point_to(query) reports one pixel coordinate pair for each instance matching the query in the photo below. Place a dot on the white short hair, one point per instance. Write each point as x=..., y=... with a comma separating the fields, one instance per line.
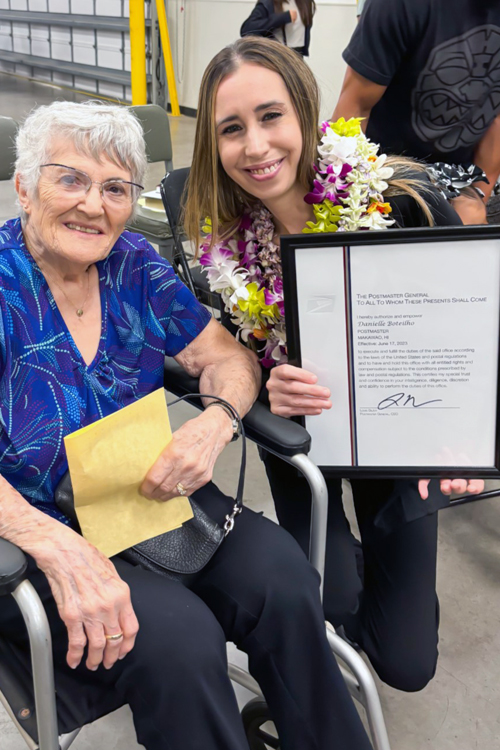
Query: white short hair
x=93, y=127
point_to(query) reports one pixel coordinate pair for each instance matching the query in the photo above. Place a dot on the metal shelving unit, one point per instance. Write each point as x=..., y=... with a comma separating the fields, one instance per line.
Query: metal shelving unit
x=85, y=51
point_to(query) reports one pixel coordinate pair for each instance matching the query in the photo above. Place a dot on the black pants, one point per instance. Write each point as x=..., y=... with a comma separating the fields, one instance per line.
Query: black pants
x=260, y=592
x=386, y=600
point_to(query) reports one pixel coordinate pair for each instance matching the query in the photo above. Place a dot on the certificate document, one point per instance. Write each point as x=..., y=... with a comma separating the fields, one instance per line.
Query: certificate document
x=403, y=327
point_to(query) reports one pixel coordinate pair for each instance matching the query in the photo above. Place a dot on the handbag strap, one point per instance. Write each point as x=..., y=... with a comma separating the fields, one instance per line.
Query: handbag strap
x=238, y=503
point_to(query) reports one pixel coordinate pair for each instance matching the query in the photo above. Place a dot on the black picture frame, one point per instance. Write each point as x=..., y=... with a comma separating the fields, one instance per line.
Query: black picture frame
x=291, y=243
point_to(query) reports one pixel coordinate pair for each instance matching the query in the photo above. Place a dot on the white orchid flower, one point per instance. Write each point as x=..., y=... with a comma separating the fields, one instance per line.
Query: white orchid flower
x=337, y=150
x=375, y=220
x=379, y=174
x=245, y=329
x=230, y=275
x=240, y=292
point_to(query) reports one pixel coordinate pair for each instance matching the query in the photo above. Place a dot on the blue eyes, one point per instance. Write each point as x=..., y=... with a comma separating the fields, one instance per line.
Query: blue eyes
x=70, y=180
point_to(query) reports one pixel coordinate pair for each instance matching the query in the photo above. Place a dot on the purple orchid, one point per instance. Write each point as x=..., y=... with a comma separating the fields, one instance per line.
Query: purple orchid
x=208, y=256
x=252, y=257
x=331, y=184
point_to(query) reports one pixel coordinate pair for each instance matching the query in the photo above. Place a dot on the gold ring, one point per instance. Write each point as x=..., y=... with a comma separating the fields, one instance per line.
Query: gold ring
x=180, y=489
x=115, y=637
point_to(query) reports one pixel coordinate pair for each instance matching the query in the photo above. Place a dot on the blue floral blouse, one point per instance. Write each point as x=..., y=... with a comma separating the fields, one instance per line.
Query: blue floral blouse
x=46, y=388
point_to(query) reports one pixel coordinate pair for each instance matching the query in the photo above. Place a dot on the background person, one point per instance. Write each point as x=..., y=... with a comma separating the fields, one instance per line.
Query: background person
x=256, y=143
x=290, y=25
x=88, y=312
x=426, y=76
x=458, y=186
x=469, y=205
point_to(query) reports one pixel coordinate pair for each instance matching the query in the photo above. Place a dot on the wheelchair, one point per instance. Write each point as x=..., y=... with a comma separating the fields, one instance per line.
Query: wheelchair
x=32, y=704
x=46, y=721
x=30, y=699
x=29, y=695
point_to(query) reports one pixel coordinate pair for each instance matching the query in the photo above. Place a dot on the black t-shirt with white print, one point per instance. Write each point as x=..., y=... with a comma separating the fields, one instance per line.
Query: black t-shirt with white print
x=440, y=60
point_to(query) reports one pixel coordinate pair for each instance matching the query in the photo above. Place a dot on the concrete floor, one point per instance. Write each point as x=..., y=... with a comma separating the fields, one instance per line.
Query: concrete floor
x=460, y=709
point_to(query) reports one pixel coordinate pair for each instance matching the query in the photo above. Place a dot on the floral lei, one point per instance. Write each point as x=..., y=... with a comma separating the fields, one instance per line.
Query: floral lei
x=246, y=271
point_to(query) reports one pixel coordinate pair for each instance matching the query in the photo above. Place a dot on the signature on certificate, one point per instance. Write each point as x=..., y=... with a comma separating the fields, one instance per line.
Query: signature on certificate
x=403, y=399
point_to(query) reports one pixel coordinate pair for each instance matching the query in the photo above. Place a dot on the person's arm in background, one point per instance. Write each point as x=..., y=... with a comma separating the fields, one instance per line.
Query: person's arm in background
x=358, y=97
x=487, y=156
x=261, y=21
x=387, y=31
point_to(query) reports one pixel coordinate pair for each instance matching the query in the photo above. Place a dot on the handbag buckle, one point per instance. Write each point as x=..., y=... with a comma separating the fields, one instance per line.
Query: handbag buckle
x=229, y=524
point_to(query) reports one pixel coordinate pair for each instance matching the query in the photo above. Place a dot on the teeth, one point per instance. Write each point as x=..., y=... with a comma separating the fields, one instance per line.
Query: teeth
x=83, y=229
x=266, y=170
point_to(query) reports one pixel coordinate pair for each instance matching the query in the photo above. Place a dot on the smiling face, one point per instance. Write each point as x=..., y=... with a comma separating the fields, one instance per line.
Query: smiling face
x=79, y=229
x=258, y=133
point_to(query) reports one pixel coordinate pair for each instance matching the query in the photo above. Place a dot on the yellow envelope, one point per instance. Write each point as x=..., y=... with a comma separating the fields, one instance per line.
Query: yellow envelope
x=108, y=461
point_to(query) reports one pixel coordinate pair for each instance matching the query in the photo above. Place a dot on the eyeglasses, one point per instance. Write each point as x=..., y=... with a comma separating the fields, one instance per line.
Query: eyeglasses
x=70, y=181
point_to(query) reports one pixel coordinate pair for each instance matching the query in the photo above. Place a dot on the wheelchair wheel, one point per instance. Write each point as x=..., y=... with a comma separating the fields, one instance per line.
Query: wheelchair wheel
x=258, y=725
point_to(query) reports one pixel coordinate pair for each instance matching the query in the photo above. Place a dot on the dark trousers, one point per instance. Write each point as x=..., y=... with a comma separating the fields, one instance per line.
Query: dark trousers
x=260, y=592
x=383, y=591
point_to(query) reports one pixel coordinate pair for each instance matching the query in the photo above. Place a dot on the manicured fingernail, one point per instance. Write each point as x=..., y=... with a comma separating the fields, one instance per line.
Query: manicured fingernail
x=93, y=669
x=122, y=657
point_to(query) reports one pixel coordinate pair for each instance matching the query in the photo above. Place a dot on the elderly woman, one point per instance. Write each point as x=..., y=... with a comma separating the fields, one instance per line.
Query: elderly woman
x=87, y=314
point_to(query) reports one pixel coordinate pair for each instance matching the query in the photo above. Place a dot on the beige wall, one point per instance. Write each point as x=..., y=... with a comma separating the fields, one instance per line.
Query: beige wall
x=211, y=24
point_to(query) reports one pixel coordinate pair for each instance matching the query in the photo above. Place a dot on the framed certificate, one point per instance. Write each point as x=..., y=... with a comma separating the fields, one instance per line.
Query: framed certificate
x=403, y=327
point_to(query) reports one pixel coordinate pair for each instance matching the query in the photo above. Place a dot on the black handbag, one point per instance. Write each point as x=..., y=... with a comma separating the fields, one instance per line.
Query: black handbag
x=182, y=553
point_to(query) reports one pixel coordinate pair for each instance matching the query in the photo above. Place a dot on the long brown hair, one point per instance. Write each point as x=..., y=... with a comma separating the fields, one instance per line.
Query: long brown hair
x=306, y=8
x=211, y=192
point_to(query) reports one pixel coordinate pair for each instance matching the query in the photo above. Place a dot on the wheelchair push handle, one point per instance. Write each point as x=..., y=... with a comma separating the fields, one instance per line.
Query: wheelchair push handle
x=13, y=566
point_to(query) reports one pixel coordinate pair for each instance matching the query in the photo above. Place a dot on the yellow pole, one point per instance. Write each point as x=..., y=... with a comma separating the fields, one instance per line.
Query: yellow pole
x=167, y=56
x=138, y=52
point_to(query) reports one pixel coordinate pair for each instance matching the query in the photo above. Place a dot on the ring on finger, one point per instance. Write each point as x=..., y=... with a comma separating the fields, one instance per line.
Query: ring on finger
x=181, y=489
x=114, y=637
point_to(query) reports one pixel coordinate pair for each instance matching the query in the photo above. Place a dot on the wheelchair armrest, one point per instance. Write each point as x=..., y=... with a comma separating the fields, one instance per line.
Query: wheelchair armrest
x=13, y=566
x=277, y=434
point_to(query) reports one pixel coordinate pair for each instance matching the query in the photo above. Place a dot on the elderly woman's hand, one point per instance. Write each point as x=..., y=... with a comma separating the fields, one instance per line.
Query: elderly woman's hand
x=92, y=600
x=293, y=391
x=190, y=457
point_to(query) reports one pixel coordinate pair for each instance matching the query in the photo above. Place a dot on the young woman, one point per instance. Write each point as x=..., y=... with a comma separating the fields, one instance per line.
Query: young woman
x=256, y=143
x=287, y=21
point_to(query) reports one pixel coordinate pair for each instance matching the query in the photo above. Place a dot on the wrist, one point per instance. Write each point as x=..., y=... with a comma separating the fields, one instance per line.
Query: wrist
x=37, y=534
x=45, y=539
x=48, y=542
x=221, y=421
x=231, y=416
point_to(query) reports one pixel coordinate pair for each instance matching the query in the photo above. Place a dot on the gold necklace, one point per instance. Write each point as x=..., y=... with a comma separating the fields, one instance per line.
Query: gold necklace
x=79, y=310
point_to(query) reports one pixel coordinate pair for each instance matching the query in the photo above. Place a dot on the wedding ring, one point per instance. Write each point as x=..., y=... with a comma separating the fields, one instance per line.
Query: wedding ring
x=180, y=489
x=115, y=637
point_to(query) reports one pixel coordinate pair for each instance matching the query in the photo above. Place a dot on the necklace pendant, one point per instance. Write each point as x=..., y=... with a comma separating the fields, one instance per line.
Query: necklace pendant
x=79, y=312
